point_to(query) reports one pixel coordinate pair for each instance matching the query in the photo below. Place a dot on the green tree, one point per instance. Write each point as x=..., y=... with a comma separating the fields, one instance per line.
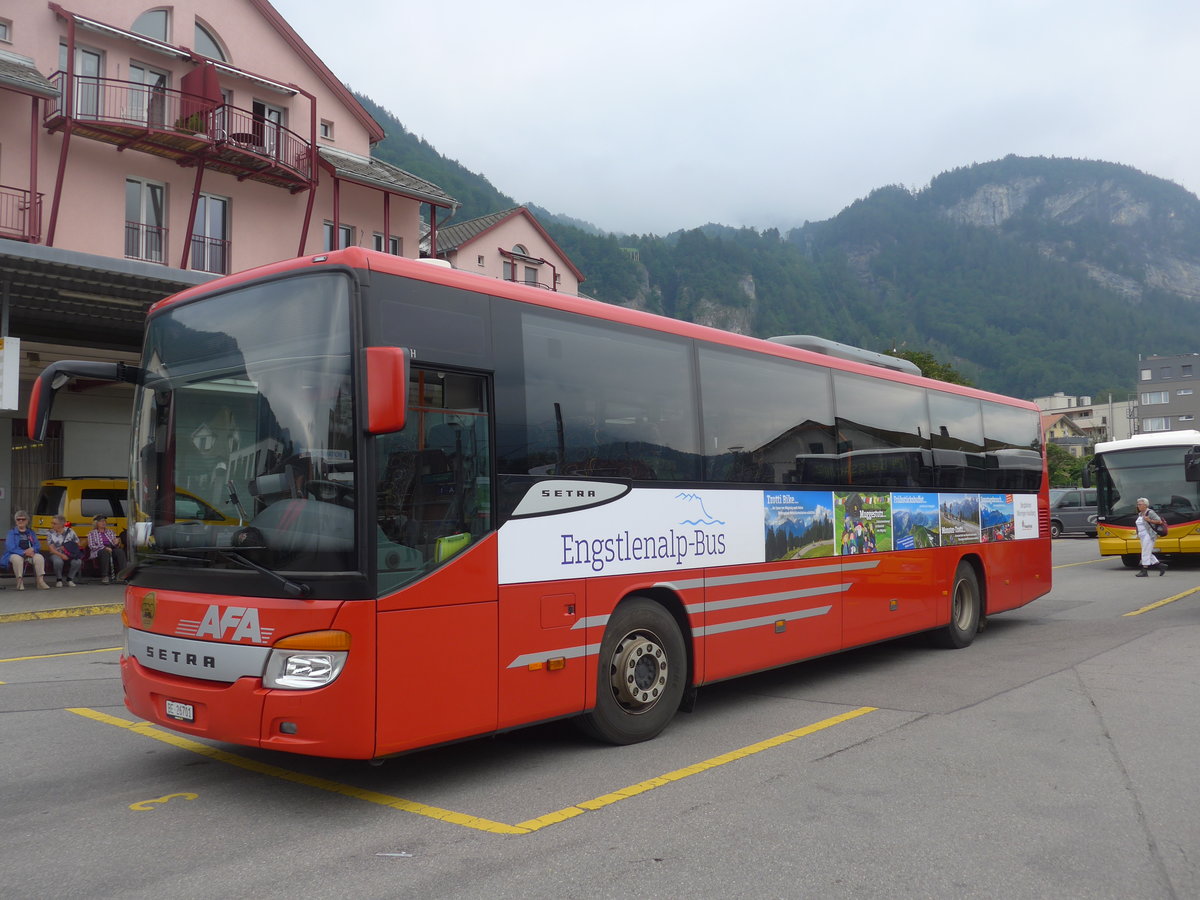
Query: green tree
x=931, y=367
x=1065, y=470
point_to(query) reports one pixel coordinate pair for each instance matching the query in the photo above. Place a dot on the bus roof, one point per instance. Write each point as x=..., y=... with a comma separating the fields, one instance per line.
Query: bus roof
x=361, y=258
x=1155, y=439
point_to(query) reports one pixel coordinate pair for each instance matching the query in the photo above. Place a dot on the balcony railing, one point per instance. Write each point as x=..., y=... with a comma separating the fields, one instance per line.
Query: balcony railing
x=177, y=125
x=145, y=242
x=20, y=214
x=209, y=255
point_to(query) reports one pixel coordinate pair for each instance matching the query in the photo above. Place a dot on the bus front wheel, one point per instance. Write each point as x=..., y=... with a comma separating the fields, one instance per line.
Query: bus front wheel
x=642, y=674
x=966, y=607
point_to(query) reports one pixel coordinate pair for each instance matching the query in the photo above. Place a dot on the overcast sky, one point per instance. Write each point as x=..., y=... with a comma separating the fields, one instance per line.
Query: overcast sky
x=653, y=115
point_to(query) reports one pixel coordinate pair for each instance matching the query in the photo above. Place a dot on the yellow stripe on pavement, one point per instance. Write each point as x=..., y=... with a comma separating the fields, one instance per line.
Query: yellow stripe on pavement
x=641, y=787
x=1138, y=612
x=56, y=655
x=145, y=729
x=1086, y=562
x=98, y=609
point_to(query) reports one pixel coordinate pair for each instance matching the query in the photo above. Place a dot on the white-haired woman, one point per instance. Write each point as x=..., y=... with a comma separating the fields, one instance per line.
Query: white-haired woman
x=1146, y=519
x=22, y=549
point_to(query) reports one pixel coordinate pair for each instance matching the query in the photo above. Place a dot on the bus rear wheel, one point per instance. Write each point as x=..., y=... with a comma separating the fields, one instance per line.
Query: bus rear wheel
x=966, y=608
x=1130, y=560
x=642, y=674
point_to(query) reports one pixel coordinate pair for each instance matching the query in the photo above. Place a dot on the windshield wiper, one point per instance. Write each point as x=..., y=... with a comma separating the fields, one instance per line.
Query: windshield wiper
x=290, y=587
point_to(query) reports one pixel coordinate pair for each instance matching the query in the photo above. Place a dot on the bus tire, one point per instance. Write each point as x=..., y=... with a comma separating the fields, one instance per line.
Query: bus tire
x=1130, y=560
x=966, y=610
x=642, y=673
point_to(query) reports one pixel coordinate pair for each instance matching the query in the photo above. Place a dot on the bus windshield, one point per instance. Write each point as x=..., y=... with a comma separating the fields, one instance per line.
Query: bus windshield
x=1156, y=473
x=247, y=402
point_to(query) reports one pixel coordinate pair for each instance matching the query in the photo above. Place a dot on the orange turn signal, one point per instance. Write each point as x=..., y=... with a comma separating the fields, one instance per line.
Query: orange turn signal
x=315, y=640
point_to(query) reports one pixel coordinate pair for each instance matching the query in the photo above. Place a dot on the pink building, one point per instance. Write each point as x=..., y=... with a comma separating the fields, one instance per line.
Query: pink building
x=144, y=148
x=511, y=245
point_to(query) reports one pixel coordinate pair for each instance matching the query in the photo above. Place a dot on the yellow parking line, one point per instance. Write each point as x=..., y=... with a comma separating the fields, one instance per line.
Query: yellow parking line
x=641, y=787
x=1138, y=612
x=1086, y=562
x=96, y=609
x=145, y=729
x=56, y=655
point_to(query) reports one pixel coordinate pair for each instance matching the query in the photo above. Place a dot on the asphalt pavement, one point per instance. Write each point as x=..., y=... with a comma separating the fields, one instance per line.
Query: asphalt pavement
x=89, y=598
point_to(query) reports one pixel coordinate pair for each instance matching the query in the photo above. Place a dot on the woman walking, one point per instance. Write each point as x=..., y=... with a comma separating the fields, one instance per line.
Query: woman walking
x=1146, y=520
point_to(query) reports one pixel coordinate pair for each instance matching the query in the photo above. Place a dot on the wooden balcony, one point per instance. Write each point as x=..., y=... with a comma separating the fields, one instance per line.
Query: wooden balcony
x=183, y=127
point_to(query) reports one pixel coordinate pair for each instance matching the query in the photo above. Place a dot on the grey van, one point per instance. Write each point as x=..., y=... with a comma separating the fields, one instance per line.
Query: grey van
x=1072, y=510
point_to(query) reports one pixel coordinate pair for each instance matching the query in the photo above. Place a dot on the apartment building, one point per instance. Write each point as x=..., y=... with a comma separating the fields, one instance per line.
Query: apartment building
x=1167, y=393
x=1104, y=420
x=148, y=148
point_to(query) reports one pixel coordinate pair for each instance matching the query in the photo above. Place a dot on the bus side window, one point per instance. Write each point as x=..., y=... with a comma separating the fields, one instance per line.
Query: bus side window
x=433, y=493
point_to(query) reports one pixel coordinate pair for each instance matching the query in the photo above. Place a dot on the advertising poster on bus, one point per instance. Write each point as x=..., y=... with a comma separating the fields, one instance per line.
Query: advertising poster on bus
x=799, y=524
x=863, y=522
x=1025, y=516
x=996, y=520
x=915, y=521
x=642, y=531
x=960, y=519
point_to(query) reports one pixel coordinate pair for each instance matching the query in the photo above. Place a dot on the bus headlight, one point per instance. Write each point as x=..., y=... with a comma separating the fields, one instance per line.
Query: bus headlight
x=305, y=661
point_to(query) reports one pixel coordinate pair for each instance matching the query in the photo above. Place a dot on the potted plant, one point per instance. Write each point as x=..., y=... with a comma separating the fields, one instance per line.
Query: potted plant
x=192, y=124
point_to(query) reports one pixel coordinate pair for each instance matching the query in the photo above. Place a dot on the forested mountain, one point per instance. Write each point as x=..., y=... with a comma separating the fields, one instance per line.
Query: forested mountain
x=1028, y=275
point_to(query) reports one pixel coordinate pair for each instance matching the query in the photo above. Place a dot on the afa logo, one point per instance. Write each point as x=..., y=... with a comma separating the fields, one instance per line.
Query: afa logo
x=233, y=624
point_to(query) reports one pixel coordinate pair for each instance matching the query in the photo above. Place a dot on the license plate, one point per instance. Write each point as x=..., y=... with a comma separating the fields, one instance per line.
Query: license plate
x=184, y=712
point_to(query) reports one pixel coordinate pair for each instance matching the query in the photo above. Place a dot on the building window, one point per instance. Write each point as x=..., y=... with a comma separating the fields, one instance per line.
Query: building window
x=1161, y=423
x=1164, y=372
x=89, y=88
x=5, y=31
x=393, y=244
x=1146, y=375
x=268, y=120
x=153, y=23
x=326, y=130
x=146, y=101
x=531, y=275
x=1183, y=392
x=479, y=260
x=345, y=236
x=210, y=235
x=1186, y=418
x=145, y=220
x=1152, y=397
x=1185, y=371
x=206, y=43
x=508, y=270
x=520, y=250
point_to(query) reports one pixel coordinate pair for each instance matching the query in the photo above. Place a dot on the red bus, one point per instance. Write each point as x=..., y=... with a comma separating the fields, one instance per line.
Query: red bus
x=462, y=505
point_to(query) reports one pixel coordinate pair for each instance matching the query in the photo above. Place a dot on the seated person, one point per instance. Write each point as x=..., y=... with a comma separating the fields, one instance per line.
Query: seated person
x=21, y=548
x=62, y=544
x=105, y=546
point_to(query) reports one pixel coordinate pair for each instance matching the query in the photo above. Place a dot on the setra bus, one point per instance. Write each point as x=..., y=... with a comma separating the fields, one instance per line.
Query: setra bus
x=1163, y=467
x=462, y=505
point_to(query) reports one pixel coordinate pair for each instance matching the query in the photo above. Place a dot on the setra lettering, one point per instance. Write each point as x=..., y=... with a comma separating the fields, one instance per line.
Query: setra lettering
x=180, y=658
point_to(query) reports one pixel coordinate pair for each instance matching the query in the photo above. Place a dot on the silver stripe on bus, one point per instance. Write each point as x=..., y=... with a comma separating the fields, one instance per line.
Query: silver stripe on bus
x=566, y=653
x=759, y=599
x=765, y=620
x=750, y=577
x=731, y=603
x=207, y=660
